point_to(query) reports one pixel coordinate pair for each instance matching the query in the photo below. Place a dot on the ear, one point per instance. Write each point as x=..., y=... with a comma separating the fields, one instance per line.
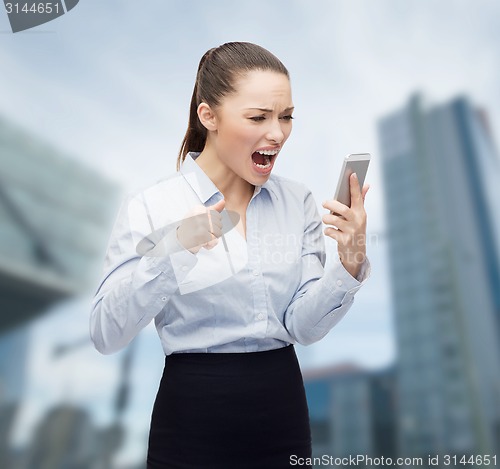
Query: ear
x=207, y=116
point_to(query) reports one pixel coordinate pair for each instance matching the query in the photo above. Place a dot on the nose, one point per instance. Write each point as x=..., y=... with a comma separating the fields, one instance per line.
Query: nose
x=275, y=132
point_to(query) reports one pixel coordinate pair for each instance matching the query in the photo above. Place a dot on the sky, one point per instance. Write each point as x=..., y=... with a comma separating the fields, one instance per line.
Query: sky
x=109, y=83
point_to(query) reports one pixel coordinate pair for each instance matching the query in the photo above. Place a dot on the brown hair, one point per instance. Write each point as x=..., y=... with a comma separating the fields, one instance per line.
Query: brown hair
x=217, y=72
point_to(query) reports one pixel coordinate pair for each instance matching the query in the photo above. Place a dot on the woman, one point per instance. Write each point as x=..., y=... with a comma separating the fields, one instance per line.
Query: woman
x=229, y=261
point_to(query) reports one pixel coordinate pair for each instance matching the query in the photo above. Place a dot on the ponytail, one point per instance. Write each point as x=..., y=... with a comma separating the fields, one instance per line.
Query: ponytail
x=196, y=133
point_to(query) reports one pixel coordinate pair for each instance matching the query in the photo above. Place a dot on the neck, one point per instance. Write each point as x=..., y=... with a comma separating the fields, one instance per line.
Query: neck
x=235, y=190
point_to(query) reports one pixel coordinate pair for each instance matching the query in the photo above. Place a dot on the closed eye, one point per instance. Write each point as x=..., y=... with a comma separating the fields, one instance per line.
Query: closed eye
x=257, y=118
x=287, y=118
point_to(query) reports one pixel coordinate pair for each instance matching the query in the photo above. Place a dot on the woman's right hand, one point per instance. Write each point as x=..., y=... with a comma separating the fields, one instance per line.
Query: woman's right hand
x=202, y=227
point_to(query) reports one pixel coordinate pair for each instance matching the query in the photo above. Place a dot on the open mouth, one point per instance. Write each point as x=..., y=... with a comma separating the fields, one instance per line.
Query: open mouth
x=263, y=159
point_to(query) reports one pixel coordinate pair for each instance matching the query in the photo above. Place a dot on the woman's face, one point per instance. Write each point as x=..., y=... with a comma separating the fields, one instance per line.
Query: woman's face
x=253, y=123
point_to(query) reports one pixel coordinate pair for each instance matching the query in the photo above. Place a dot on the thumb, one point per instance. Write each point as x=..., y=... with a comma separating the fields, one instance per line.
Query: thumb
x=219, y=206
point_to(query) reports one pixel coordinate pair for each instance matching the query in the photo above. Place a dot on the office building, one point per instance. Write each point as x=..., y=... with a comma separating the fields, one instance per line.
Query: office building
x=440, y=173
x=55, y=217
x=351, y=411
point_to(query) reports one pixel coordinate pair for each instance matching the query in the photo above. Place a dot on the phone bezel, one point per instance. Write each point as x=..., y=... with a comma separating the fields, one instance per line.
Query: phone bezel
x=343, y=186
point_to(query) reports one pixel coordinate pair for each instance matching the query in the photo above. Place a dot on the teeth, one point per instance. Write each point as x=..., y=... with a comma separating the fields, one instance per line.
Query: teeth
x=267, y=152
x=267, y=165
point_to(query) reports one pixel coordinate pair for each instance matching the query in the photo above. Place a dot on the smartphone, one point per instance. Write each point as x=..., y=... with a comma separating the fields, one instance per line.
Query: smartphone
x=353, y=163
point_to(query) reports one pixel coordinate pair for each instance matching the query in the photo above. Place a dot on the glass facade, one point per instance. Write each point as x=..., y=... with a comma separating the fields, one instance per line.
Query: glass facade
x=55, y=217
x=352, y=411
x=54, y=221
x=443, y=254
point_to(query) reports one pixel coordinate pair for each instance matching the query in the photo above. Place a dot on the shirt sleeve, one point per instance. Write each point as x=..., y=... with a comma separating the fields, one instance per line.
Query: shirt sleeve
x=323, y=297
x=134, y=287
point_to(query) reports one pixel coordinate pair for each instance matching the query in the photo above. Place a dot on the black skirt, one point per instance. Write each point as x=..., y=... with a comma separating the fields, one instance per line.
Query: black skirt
x=230, y=410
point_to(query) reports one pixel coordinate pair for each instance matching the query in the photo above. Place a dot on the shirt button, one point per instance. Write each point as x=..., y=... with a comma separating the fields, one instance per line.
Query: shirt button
x=184, y=268
x=260, y=316
x=255, y=272
x=163, y=298
x=339, y=283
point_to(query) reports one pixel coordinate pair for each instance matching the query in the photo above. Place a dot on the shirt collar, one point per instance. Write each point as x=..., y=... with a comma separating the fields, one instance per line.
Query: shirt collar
x=269, y=186
x=203, y=186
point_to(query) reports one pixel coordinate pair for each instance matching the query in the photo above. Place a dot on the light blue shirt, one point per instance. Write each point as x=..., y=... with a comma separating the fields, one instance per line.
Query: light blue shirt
x=244, y=295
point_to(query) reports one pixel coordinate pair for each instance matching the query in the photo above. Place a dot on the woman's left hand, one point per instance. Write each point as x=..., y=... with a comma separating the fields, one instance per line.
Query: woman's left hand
x=348, y=226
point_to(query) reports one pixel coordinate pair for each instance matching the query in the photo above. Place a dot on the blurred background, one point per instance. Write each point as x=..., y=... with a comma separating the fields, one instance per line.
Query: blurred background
x=95, y=104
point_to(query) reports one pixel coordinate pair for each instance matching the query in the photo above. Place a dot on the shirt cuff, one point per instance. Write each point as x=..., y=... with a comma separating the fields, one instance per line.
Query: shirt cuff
x=364, y=271
x=342, y=284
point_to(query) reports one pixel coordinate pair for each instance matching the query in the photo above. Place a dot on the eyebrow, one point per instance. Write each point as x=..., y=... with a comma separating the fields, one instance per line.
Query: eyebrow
x=288, y=109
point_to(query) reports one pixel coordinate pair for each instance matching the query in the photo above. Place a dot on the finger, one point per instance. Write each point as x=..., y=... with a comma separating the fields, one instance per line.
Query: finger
x=365, y=190
x=198, y=241
x=210, y=224
x=336, y=207
x=217, y=231
x=216, y=218
x=329, y=230
x=215, y=224
x=337, y=235
x=332, y=233
x=196, y=210
x=219, y=206
x=211, y=244
x=356, y=197
x=335, y=220
x=198, y=227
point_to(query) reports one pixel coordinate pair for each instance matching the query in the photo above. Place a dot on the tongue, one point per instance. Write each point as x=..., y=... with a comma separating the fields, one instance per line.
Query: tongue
x=259, y=159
